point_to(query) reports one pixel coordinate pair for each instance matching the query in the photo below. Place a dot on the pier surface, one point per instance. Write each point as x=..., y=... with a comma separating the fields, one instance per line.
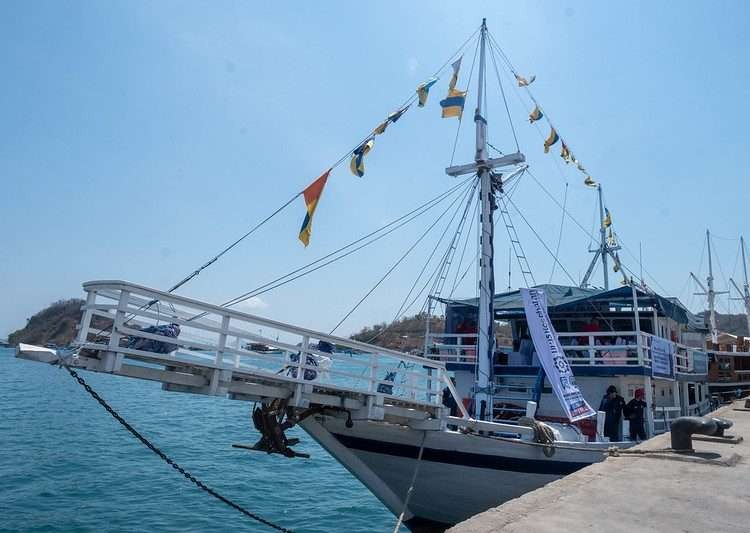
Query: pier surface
x=706, y=491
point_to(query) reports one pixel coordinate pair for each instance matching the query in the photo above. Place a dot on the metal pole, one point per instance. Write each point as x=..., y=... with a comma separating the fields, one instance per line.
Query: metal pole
x=711, y=293
x=747, y=289
x=603, y=233
x=483, y=407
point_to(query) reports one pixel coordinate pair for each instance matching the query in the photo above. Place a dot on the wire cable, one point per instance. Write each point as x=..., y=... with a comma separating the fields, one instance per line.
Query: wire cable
x=393, y=267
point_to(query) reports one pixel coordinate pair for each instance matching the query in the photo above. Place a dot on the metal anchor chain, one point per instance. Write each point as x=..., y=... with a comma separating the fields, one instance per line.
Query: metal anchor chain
x=166, y=458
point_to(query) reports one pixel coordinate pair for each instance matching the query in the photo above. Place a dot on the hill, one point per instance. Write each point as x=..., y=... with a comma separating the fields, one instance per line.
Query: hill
x=406, y=334
x=55, y=324
x=734, y=324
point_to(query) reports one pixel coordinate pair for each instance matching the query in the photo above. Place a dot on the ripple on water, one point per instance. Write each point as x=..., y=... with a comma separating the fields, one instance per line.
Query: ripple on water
x=66, y=465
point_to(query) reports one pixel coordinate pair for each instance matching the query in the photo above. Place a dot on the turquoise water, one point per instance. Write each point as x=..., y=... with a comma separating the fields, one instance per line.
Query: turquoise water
x=67, y=465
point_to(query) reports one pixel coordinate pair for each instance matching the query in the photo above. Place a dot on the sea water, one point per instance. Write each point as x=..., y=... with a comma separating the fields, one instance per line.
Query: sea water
x=67, y=465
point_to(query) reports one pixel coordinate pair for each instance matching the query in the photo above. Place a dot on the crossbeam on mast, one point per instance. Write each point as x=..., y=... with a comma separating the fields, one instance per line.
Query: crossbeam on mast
x=489, y=164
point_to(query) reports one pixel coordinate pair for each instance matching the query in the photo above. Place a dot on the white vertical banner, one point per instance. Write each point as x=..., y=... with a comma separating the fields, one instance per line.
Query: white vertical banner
x=552, y=357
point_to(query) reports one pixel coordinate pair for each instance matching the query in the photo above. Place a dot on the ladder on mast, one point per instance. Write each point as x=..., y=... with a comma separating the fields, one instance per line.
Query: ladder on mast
x=515, y=242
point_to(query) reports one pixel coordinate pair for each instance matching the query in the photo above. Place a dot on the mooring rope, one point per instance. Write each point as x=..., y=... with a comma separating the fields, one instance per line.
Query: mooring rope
x=411, y=486
x=190, y=477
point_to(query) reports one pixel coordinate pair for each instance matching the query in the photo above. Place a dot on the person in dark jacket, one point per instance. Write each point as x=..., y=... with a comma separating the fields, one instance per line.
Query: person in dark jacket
x=612, y=405
x=635, y=411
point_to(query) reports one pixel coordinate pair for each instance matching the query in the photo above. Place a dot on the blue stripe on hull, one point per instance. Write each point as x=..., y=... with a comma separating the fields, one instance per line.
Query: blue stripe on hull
x=476, y=460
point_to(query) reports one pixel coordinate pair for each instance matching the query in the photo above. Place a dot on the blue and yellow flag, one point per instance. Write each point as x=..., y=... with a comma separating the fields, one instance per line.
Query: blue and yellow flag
x=523, y=82
x=552, y=139
x=393, y=117
x=423, y=90
x=607, y=218
x=535, y=115
x=453, y=105
x=312, y=196
x=454, y=79
x=565, y=153
x=357, y=164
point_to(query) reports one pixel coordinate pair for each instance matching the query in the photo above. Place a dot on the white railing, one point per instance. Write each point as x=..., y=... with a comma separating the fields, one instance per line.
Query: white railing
x=585, y=348
x=117, y=312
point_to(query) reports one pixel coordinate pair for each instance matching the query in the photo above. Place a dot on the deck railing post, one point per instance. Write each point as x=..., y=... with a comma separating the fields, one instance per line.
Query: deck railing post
x=112, y=360
x=592, y=351
x=236, y=355
x=222, y=339
x=373, y=386
x=86, y=319
x=303, y=359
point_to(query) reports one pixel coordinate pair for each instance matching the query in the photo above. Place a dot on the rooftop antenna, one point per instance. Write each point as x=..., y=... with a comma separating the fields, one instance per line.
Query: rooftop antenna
x=605, y=248
x=745, y=293
x=709, y=292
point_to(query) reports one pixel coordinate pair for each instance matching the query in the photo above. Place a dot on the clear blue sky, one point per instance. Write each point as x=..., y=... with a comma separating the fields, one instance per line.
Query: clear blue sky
x=138, y=138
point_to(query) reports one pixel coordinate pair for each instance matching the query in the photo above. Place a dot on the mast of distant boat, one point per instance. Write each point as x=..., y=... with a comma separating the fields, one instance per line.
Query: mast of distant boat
x=604, y=249
x=709, y=292
x=745, y=293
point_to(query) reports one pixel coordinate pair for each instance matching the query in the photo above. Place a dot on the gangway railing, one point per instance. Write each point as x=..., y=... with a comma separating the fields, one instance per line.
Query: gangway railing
x=222, y=351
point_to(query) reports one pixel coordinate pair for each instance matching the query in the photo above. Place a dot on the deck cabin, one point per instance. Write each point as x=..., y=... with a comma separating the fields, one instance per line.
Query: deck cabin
x=607, y=337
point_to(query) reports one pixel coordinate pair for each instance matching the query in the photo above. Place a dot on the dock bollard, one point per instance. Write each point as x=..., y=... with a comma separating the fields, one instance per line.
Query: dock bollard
x=530, y=409
x=686, y=426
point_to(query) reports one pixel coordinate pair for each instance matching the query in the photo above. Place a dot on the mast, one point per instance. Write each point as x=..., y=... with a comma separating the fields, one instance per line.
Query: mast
x=603, y=250
x=745, y=293
x=603, y=239
x=489, y=183
x=485, y=328
x=710, y=293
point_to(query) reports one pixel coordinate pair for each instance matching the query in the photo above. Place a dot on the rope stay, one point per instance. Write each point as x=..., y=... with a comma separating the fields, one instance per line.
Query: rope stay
x=393, y=225
x=395, y=265
x=410, y=491
x=539, y=238
x=404, y=308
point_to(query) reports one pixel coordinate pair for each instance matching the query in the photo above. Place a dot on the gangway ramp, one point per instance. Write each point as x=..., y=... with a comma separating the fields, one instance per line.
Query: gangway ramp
x=224, y=352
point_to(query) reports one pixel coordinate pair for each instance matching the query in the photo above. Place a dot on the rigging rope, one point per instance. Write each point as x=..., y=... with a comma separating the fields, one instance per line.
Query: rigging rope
x=505, y=101
x=396, y=223
x=401, y=310
x=461, y=117
x=235, y=243
x=164, y=457
x=393, y=267
x=541, y=241
x=559, y=236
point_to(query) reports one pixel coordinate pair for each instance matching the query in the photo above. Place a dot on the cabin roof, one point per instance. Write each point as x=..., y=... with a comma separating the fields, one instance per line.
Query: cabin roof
x=568, y=298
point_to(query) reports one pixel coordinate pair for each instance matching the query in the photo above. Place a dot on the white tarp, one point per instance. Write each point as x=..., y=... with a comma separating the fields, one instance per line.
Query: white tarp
x=552, y=357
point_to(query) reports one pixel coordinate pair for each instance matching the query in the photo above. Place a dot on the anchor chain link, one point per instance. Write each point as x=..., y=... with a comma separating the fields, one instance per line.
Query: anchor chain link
x=190, y=477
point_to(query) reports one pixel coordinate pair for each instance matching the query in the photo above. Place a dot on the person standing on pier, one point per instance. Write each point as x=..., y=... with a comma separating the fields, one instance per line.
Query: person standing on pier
x=634, y=411
x=612, y=405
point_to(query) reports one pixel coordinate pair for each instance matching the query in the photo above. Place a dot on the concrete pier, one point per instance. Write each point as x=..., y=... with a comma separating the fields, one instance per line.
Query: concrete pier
x=708, y=490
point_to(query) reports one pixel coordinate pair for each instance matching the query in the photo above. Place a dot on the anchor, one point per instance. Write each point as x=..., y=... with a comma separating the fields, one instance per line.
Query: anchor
x=272, y=421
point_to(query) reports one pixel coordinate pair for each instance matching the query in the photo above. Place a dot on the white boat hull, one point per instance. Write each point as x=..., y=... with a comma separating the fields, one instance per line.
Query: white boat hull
x=460, y=475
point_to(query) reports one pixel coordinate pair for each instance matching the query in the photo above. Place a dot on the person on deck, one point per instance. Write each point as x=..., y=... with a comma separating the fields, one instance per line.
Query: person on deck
x=612, y=405
x=634, y=411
